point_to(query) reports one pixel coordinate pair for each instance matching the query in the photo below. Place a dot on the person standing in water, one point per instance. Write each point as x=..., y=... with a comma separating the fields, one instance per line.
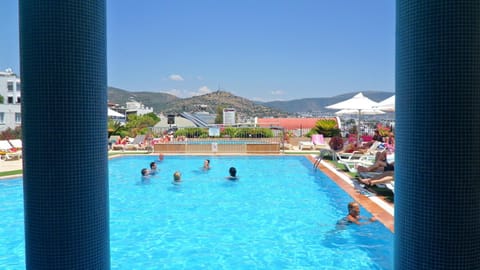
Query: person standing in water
x=354, y=216
x=177, y=178
x=206, y=164
x=233, y=174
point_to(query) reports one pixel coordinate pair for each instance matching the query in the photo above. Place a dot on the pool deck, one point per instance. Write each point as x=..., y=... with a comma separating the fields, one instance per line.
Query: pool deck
x=383, y=210
x=11, y=165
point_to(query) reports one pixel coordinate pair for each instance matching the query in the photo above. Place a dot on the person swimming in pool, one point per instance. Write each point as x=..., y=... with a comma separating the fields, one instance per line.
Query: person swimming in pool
x=206, y=164
x=145, y=176
x=153, y=168
x=233, y=174
x=177, y=178
x=354, y=216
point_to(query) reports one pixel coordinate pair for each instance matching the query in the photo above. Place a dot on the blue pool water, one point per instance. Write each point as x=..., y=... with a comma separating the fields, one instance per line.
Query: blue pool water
x=280, y=214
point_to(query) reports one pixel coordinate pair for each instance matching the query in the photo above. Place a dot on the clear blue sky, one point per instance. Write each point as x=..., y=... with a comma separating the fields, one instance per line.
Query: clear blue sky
x=258, y=49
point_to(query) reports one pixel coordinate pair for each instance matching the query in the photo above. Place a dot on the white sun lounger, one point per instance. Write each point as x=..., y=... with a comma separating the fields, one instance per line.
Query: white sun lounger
x=304, y=145
x=8, y=152
x=17, y=143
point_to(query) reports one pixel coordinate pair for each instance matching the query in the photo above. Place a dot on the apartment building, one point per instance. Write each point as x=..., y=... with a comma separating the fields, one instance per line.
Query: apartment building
x=135, y=107
x=10, y=92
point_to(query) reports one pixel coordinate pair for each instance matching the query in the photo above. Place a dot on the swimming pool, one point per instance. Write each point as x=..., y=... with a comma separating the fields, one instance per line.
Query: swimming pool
x=281, y=214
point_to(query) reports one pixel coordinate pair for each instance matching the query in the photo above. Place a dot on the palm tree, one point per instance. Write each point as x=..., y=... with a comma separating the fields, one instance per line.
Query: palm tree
x=114, y=127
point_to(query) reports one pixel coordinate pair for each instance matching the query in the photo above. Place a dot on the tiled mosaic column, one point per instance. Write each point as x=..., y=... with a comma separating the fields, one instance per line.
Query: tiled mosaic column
x=64, y=120
x=437, y=198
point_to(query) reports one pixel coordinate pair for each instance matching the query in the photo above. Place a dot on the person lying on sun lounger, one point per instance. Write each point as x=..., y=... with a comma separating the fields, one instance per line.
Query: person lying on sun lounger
x=353, y=147
x=381, y=164
x=383, y=178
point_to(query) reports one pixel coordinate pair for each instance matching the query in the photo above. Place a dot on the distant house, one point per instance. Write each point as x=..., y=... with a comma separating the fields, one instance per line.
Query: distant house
x=132, y=107
x=135, y=107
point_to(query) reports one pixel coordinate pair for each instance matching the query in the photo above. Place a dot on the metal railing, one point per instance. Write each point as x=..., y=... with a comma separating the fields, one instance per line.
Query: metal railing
x=254, y=142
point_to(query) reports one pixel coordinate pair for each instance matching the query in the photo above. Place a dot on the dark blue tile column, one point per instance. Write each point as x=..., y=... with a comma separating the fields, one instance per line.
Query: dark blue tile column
x=437, y=199
x=64, y=117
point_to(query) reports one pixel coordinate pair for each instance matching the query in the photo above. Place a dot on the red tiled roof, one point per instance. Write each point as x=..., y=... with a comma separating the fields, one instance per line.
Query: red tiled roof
x=288, y=123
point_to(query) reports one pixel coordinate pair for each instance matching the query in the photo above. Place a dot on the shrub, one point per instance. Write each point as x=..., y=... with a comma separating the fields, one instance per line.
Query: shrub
x=192, y=132
x=383, y=131
x=336, y=143
x=228, y=132
x=254, y=133
x=9, y=134
x=328, y=127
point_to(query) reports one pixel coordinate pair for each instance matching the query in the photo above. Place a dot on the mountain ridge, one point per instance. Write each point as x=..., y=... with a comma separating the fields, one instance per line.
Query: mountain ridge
x=167, y=103
x=319, y=104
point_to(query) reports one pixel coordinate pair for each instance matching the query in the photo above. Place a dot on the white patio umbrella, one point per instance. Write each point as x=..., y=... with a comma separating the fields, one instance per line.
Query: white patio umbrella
x=364, y=112
x=387, y=105
x=358, y=103
x=114, y=113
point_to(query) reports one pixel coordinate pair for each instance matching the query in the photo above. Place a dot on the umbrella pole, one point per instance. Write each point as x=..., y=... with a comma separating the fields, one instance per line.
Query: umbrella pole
x=358, y=127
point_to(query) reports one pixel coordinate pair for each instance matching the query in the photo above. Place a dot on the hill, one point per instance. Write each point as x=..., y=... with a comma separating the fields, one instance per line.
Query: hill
x=169, y=104
x=224, y=99
x=158, y=101
x=319, y=104
x=166, y=103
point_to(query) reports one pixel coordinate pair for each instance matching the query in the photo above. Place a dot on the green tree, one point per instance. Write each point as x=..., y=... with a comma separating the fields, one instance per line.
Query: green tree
x=115, y=127
x=153, y=116
x=139, y=124
x=219, y=117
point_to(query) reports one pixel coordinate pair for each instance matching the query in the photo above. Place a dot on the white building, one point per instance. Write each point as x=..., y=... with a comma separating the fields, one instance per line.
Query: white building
x=229, y=116
x=10, y=108
x=137, y=108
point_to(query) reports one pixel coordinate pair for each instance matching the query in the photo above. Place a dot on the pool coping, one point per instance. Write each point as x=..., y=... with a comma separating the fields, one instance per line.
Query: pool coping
x=381, y=209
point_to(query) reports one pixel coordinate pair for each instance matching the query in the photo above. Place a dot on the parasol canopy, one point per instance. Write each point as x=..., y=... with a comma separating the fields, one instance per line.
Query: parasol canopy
x=113, y=113
x=358, y=103
x=387, y=105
